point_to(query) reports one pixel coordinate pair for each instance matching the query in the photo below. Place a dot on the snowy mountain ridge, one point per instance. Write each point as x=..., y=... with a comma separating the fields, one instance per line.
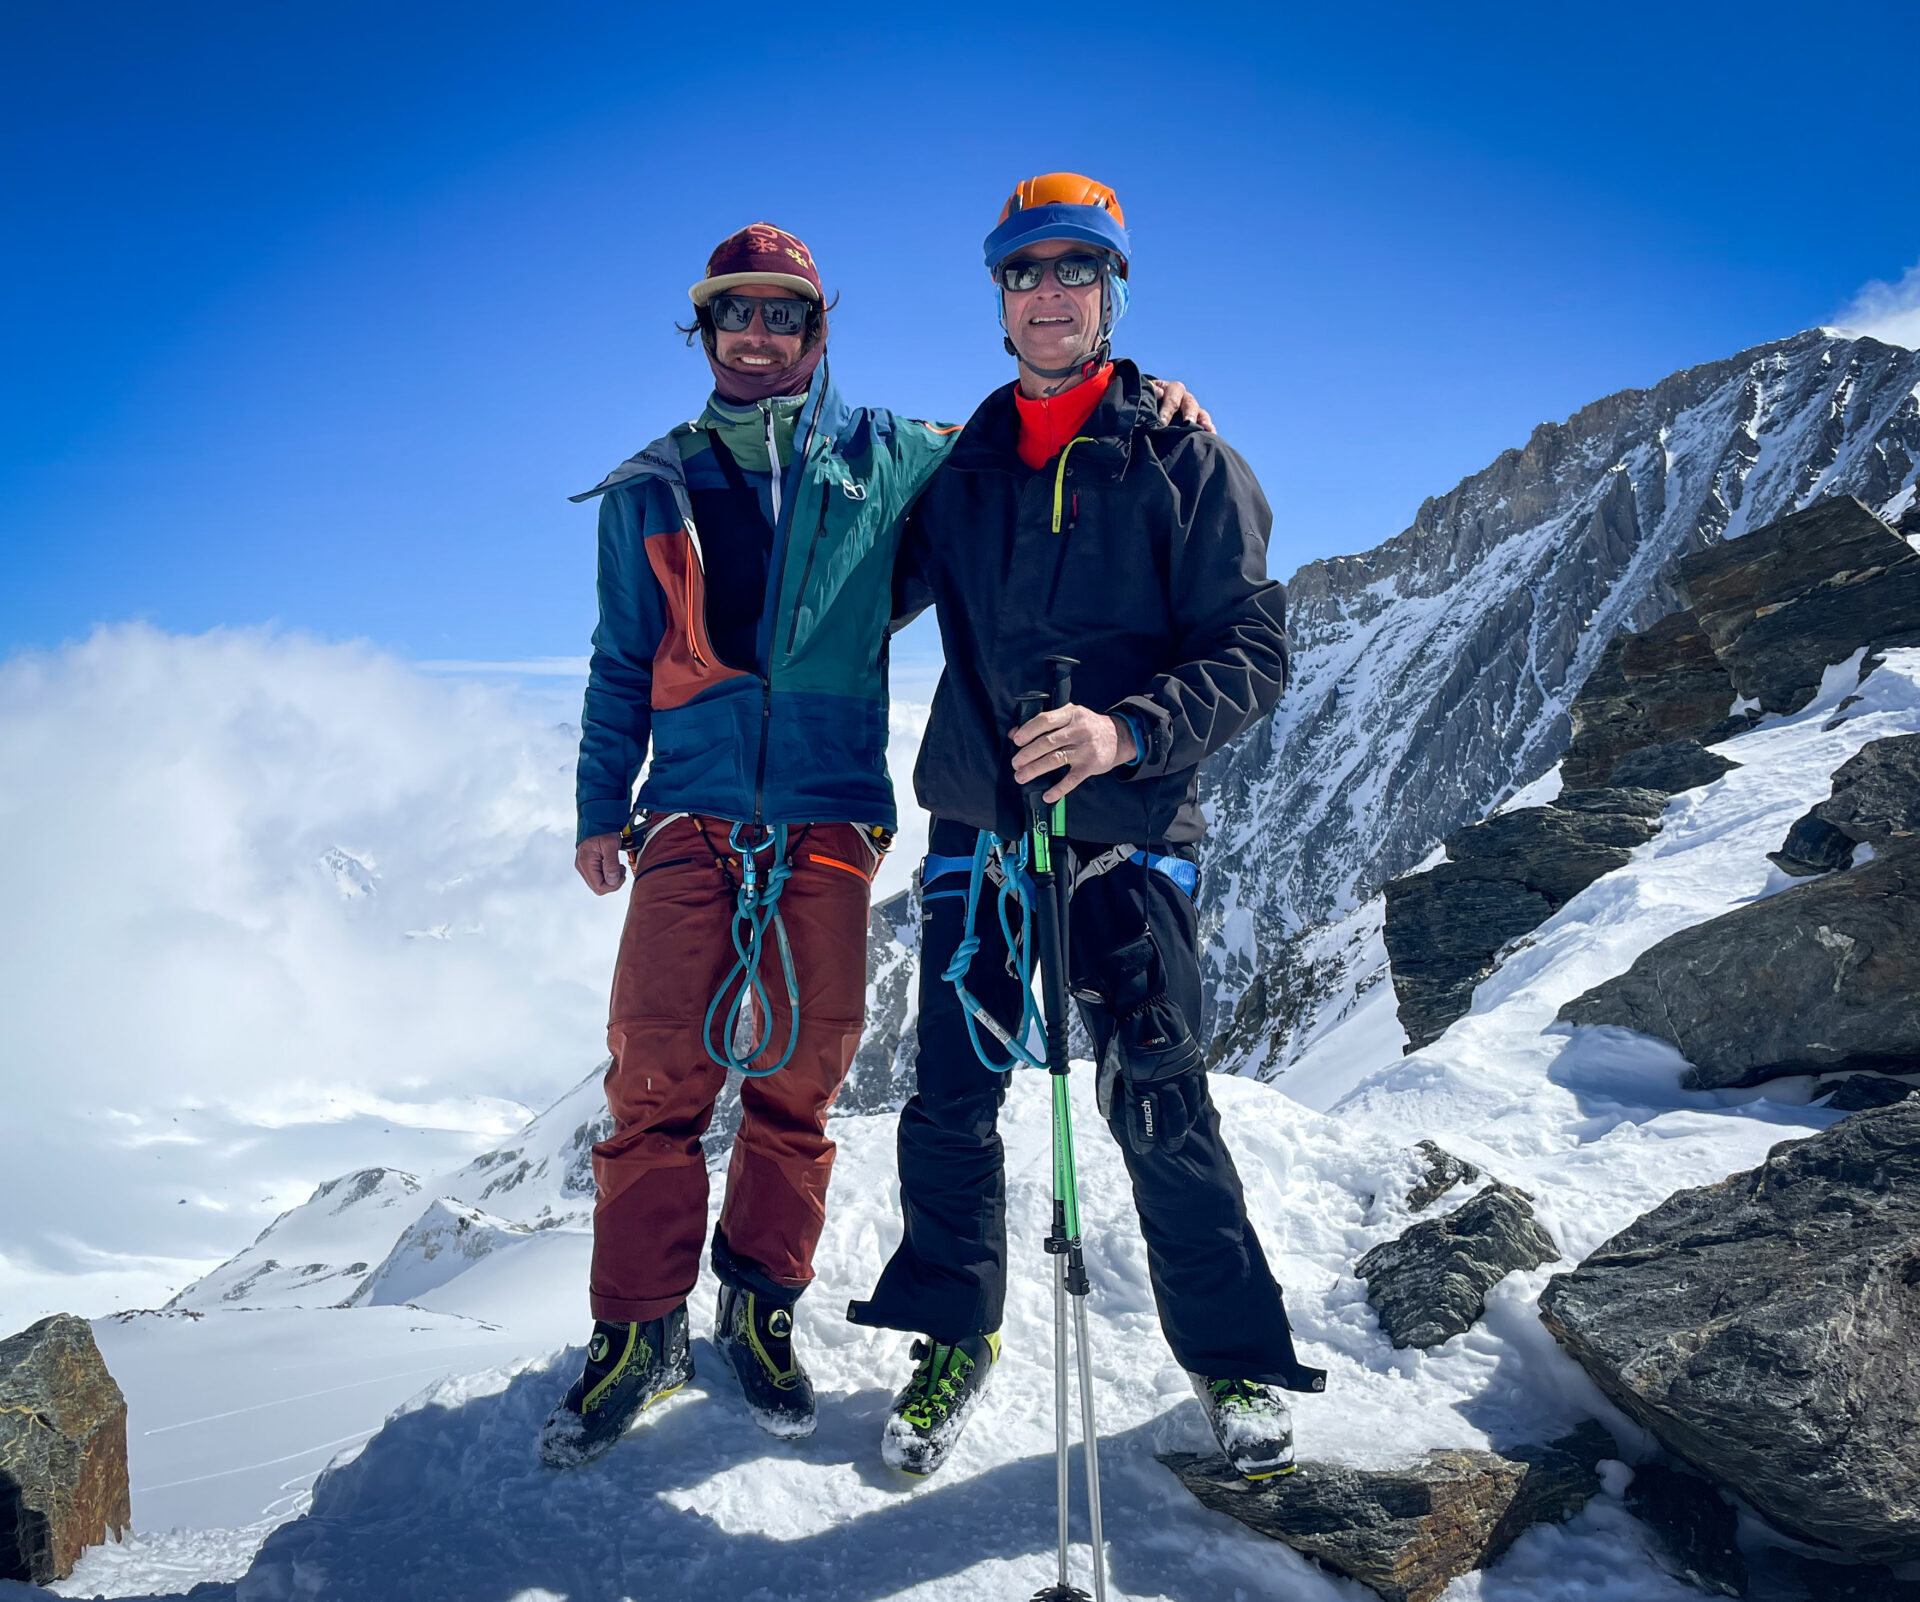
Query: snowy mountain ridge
x=1432, y=675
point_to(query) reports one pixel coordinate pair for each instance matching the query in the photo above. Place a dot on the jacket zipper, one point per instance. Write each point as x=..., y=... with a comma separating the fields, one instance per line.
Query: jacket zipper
x=801, y=450
x=1060, y=473
x=806, y=571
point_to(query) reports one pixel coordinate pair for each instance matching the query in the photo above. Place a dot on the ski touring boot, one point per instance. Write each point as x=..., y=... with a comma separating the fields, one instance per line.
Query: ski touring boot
x=926, y=1418
x=757, y=1337
x=1252, y=1423
x=629, y=1368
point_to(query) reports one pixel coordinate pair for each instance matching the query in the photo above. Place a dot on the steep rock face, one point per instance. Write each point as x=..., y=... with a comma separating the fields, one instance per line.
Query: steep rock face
x=63, y=1450
x=1800, y=595
x=1503, y=878
x=1433, y=674
x=1767, y=1330
x=1822, y=978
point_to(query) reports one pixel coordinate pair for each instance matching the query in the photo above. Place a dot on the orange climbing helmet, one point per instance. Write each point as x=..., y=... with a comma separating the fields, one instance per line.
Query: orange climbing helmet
x=1060, y=205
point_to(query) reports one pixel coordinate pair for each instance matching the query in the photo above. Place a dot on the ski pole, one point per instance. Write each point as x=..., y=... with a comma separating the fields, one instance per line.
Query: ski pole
x=1047, y=827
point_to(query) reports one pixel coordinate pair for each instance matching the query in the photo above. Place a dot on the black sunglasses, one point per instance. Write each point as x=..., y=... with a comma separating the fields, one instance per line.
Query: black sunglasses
x=733, y=313
x=1022, y=273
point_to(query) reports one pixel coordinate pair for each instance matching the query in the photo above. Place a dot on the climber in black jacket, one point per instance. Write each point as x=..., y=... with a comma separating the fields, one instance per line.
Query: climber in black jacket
x=1069, y=520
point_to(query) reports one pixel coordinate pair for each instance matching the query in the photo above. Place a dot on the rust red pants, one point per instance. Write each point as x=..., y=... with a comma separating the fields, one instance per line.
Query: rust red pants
x=650, y=1219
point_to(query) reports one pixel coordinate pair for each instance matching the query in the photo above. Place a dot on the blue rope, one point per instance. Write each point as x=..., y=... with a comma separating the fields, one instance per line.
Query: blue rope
x=756, y=910
x=1016, y=887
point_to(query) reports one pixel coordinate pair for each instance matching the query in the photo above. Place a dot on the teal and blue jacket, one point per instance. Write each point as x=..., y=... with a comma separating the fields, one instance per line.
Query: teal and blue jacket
x=802, y=737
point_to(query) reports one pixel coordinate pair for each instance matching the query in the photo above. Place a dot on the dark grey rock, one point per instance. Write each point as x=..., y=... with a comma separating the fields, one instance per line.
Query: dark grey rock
x=1863, y=1092
x=1822, y=978
x=1875, y=801
x=1697, y=1527
x=1432, y=1282
x=1876, y=793
x=1813, y=846
x=1405, y=1533
x=1670, y=768
x=1767, y=1331
x=1443, y=1171
x=63, y=1450
x=1503, y=878
x=1661, y=687
x=1788, y=601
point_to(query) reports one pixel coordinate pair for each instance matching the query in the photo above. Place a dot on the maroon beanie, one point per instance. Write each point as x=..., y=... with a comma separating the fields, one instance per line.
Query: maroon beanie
x=763, y=254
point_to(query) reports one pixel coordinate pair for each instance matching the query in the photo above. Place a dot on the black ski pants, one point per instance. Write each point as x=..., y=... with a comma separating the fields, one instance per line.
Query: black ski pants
x=1219, y=1306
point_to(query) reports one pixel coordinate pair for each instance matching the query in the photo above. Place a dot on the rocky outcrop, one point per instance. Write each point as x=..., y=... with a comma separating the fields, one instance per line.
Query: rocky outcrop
x=1786, y=603
x=1875, y=801
x=1406, y=1533
x=1442, y=1171
x=1433, y=674
x=881, y=1077
x=1659, y=690
x=1503, y=878
x=63, y=1450
x=1767, y=1330
x=1431, y=1283
x=1822, y=978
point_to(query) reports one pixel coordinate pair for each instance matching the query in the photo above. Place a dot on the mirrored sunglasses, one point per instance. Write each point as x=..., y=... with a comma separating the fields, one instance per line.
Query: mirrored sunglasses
x=733, y=313
x=1022, y=273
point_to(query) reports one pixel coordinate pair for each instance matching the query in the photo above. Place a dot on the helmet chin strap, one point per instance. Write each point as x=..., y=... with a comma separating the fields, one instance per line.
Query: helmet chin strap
x=1087, y=366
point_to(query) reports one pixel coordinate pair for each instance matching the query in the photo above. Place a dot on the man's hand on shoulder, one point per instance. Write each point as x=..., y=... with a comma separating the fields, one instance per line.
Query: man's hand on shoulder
x=1178, y=405
x=1089, y=742
x=597, y=860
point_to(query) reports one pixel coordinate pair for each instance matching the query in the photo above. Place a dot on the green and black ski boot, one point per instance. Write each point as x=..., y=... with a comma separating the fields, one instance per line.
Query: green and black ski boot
x=927, y=1417
x=1252, y=1423
x=629, y=1368
x=757, y=1337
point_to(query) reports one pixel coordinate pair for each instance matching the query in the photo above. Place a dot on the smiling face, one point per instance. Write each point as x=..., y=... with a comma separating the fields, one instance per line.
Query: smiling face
x=1051, y=326
x=753, y=349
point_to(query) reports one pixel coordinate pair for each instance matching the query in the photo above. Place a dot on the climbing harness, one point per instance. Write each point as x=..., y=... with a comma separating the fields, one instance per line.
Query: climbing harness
x=748, y=1020
x=1006, y=863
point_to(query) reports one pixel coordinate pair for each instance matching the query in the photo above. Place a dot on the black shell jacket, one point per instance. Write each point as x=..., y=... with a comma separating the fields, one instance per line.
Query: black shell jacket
x=1142, y=550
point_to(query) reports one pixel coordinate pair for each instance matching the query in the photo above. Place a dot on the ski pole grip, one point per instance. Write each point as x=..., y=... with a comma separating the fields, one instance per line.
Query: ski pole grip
x=1062, y=668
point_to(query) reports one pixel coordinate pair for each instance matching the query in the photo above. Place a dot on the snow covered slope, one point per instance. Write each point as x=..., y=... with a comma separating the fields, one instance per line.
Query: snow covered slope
x=1433, y=673
x=228, y=1423
x=380, y=1236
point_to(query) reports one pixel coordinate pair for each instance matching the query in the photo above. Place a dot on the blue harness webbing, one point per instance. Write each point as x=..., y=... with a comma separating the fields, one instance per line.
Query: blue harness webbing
x=756, y=910
x=1015, y=887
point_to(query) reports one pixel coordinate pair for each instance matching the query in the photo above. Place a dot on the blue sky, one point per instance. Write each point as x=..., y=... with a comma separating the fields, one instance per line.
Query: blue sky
x=316, y=314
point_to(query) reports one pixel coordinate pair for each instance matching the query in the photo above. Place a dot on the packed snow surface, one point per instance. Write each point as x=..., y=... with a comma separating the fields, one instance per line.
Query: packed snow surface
x=428, y=1413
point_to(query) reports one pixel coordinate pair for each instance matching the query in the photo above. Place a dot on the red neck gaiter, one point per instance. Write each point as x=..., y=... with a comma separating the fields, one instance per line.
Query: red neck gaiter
x=1047, y=424
x=750, y=387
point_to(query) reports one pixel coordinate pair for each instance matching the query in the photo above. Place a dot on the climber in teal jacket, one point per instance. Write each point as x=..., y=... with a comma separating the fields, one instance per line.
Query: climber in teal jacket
x=797, y=731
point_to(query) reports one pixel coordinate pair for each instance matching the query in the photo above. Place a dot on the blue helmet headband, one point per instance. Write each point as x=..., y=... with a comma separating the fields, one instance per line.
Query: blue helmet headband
x=1087, y=225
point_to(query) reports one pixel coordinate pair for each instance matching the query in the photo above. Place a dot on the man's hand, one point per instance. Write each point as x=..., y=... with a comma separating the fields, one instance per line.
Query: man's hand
x=597, y=860
x=1089, y=742
x=1176, y=402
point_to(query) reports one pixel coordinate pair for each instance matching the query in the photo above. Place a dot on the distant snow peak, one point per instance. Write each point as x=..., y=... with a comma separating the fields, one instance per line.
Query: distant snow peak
x=442, y=1243
x=354, y=877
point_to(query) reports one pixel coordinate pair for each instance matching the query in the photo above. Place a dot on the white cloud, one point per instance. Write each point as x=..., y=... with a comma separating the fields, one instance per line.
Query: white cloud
x=273, y=909
x=213, y=849
x=1888, y=312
